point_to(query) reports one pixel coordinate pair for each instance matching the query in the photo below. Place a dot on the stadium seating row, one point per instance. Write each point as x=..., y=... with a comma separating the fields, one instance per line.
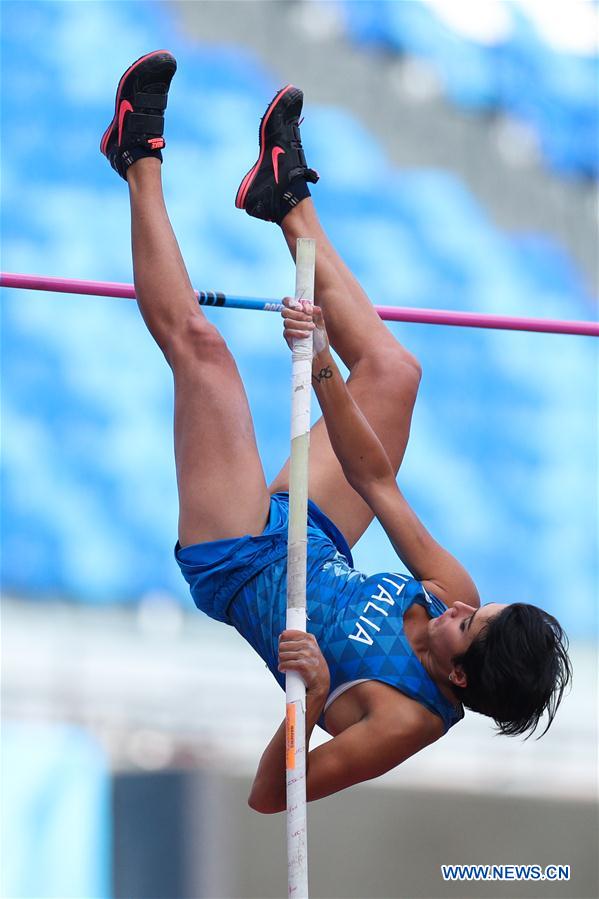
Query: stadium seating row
x=510, y=68
x=501, y=455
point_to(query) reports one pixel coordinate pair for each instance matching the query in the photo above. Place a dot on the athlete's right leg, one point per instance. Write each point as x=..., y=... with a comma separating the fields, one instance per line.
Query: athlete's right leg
x=222, y=490
x=384, y=376
x=355, y=330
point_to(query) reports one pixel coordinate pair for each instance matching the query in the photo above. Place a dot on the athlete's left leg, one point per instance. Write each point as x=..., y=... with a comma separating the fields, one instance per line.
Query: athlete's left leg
x=222, y=489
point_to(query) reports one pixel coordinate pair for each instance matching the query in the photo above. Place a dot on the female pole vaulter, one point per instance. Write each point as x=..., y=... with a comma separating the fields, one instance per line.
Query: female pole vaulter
x=391, y=660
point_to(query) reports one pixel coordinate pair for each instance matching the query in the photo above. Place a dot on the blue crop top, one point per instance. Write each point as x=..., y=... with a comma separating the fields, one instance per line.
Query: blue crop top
x=365, y=639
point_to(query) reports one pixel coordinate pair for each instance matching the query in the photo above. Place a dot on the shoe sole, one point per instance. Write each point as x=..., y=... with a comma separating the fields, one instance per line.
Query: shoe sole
x=106, y=135
x=248, y=180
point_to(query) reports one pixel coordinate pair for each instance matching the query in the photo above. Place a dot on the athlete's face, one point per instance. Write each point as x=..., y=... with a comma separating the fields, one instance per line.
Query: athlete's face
x=452, y=633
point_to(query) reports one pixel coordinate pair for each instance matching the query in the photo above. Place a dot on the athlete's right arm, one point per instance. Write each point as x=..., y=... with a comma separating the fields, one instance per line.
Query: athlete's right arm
x=367, y=468
x=359, y=450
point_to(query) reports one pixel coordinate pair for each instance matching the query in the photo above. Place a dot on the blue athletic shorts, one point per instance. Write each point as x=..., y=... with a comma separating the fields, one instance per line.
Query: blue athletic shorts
x=219, y=570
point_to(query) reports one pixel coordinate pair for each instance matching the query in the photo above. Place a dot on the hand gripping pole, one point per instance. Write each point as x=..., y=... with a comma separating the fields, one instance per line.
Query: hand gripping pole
x=301, y=391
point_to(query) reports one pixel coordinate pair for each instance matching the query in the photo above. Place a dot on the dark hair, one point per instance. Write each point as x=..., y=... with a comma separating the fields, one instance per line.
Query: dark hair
x=517, y=669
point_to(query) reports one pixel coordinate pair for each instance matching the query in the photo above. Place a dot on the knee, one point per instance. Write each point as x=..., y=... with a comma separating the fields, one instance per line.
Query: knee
x=404, y=378
x=398, y=370
x=410, y=365
x=195, y=339
x=415, y=369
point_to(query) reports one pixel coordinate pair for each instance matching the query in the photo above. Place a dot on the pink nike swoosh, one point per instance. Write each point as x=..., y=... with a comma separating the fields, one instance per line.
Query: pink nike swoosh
x=276, y=152
x=124, y=108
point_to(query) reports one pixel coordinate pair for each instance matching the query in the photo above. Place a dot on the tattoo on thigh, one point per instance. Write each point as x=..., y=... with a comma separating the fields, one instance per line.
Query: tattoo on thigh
x=324, y=373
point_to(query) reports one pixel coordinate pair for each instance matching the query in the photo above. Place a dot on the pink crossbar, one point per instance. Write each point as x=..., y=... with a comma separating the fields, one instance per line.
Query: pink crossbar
x=387, y=313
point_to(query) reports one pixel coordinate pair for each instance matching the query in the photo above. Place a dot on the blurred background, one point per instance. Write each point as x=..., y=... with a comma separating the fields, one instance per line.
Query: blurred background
x=458, y=150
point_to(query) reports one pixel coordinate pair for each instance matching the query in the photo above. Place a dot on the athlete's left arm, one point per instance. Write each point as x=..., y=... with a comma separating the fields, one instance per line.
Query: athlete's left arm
x=298, y=652
x=367, y=749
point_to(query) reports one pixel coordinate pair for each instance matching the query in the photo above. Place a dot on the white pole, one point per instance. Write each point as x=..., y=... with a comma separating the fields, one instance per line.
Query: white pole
x=301, y=391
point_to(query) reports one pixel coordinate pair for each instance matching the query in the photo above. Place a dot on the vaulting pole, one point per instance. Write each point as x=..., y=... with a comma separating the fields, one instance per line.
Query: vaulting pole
x=301, y=391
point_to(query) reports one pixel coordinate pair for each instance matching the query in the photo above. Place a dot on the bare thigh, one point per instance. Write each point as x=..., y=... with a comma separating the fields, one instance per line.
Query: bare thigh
x=221, y=483
x=386, y=397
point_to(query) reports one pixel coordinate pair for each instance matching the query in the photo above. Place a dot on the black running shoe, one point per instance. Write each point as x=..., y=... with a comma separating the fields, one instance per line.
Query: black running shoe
x=138, y=124
x=277, y=181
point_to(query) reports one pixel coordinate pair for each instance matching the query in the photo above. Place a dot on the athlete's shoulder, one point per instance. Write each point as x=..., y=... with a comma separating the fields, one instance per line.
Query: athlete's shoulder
x=463, y=591
x=408, y=721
